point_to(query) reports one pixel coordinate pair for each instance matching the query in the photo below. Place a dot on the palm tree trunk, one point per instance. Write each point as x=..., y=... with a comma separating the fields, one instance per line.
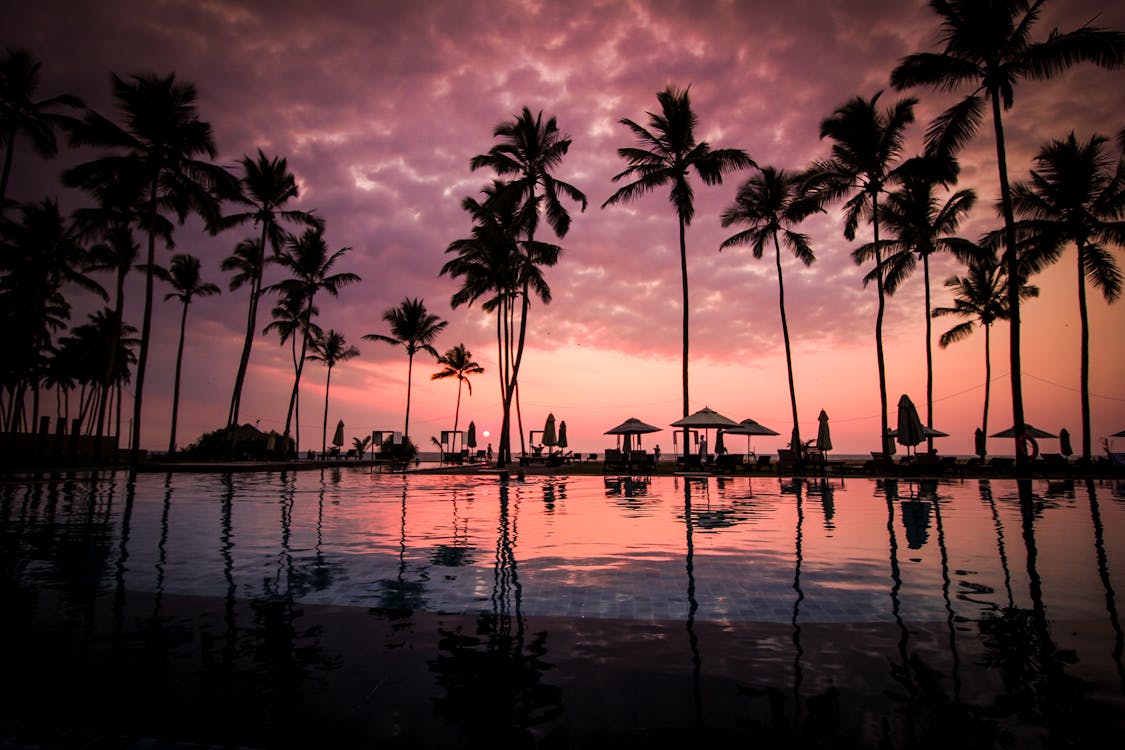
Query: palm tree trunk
x=10, y=137
x=457, y=411
x=1084, y=367
x=883, y=423
x=114, y=343
x=324, y=429
x=785, y=336
x=409, y=379
x=176, y=387
x=248, y=342
x=146, y=326
x=987, y=377
x=1015, y=281
x=929, y=354
x=684, y=285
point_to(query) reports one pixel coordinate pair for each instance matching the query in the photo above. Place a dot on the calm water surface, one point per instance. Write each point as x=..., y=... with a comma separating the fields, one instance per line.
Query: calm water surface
x=338, y=608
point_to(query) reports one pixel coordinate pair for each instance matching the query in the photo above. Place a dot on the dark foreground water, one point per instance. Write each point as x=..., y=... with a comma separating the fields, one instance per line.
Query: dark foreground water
x=343, y=609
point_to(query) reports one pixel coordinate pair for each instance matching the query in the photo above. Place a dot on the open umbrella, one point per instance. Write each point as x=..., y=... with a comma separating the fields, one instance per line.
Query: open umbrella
x=632, y=426
x=1028, y=430
x=1118, y=434
x=561, y=442
x=910, y=430
x=823, y=436
x=471, y=439
x=750, y=428
x=704, y=419
x=338, y=437
x=550, y=437
x=1064, y=442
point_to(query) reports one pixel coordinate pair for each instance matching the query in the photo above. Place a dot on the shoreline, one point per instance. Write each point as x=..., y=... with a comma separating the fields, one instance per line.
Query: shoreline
x=1101, y=468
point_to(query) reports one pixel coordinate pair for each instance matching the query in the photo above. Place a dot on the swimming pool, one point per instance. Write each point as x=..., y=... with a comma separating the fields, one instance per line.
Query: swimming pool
x=339, y=608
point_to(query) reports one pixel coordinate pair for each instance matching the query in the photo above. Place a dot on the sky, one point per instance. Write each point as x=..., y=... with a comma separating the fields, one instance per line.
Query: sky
x=379, y=107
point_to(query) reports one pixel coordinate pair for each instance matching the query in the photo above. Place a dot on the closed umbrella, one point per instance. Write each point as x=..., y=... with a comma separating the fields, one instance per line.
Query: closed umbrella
x=550, y=438
x=823, y=436
x=910, y=430
x=561, y=442
x=338, y=437
x=979, y=442
x=471, y=439
x=1064, y=442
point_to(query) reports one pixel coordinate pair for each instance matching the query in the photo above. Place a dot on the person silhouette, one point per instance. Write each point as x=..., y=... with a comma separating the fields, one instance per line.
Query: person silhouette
x=490, y=451
x=656, y=453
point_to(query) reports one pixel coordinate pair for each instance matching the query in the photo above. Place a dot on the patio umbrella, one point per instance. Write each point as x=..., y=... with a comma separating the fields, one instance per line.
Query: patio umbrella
x=979, y=443
x=1064, y=442
x=632, y=426
x=561, y=442
x=703, y=419
x=550, y=438
x=1118, y=434
x=910, y=430
x=750, y=428
x=471, y=440
x=1028, y=430
x=338, y=437
x=823, y=435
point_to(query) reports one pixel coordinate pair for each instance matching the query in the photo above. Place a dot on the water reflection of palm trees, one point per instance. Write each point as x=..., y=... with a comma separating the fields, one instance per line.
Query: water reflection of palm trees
x=494, y=678
x=1103, y=574
x=399, y=593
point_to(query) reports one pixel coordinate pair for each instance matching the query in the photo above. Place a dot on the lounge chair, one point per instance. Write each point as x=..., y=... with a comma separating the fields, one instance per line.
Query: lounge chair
x=881, y=464
x=763, y=463
x=727, y=463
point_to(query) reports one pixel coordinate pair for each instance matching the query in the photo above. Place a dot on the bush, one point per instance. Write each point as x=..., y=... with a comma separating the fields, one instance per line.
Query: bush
x=250, y=444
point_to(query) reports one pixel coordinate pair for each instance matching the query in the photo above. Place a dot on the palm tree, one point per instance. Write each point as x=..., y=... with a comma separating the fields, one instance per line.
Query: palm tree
x=921, y=224
x=458, y=363
x=110, y=224
x=988, y=46
x=267, y=185
x=163, y=140
x=41, y=253
x=187, y=284
x=494, y=263
x=414, y=328
x=528, y=152
x=981, y=297
x=21, y=114
x=666, y=153
x=330, y=348
x=1076, y=194
x=292, y=320
x=307, y=259
x=773, y=202
x=867, y=142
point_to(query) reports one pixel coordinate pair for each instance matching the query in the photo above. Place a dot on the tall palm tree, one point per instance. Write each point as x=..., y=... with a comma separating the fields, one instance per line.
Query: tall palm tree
x=495, y=264
x=413, y=328
x=773, y=202
x=528, y=152
x=110, y=225
x=330, y=348
x=981, y=298
x=41, y=253
x=22, y=114
x=187, y=284
x=164, y=139
x=1076, y=194
x=458, y=363
x=987, y=46
x=310, y=265
x=267, y=185
x=293, y=321
x=920, y=224
x=666, y=154
x=867, y=143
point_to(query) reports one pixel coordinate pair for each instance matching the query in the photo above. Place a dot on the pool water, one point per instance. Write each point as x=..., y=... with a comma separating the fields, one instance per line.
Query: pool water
x=340, y=608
